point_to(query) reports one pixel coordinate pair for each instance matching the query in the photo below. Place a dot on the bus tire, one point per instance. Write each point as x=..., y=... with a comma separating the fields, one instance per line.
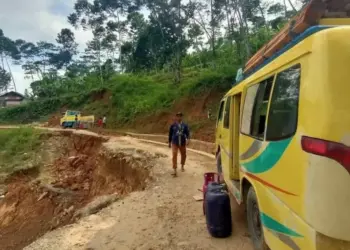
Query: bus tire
x=64, y=125
x=254, y=222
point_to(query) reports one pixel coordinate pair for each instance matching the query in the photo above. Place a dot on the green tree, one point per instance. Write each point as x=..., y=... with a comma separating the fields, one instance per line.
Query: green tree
x=5, y=79
x=222, y=34
x=8, y=51
x=104, y=18
x=37, y=59
x=26, y=93
x=67, y=49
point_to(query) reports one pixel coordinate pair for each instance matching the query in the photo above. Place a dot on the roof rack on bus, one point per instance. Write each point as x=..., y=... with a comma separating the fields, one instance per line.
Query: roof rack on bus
x=300, y=27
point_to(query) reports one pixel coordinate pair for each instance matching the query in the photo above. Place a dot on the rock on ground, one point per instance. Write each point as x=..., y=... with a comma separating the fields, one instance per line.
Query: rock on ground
x=96, y=205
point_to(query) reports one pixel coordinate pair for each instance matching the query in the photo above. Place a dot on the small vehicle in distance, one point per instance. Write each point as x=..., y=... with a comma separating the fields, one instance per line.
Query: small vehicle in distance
x=69, y=120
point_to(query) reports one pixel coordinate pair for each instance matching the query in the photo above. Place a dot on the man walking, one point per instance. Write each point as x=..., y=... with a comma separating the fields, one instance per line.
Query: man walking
x=179, y=137
x=209, y=114
x=100, y=122
x=104, y=121
x=76, y=124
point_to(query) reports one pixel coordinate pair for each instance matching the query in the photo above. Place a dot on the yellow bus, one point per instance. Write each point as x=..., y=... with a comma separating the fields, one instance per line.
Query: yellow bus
x=283, y=143
x=68, y=119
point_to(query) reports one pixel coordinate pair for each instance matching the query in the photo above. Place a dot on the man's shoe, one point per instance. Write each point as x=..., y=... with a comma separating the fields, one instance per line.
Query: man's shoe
x=174, y=174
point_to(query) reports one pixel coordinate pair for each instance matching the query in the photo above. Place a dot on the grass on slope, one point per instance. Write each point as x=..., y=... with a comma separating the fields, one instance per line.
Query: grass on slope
x=18, y=147
x=130, y=95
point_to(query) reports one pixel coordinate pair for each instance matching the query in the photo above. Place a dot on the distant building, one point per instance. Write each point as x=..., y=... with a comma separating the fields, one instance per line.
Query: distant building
x=11, y=98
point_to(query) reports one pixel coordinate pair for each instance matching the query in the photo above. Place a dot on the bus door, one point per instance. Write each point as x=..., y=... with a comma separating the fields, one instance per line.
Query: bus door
x=225, y=138
x=219, y=122
x=236, y=113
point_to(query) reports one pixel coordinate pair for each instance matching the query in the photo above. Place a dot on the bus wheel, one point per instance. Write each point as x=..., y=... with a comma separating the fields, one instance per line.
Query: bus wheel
x=64, y=125
x=254, y=223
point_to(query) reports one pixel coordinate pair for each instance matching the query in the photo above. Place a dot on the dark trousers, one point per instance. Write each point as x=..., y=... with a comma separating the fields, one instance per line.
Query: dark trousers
x=176, y=149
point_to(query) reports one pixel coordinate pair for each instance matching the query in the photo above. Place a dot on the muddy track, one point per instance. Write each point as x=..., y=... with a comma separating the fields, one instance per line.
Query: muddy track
x=161, y=214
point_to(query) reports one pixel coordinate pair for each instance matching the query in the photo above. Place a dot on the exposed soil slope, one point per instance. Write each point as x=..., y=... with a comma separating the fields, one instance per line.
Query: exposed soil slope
x=77, y=170
x=194, y=108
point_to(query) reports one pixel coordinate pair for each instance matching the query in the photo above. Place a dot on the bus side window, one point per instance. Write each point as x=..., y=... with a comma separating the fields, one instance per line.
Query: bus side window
x=227, y=113
x=221, y=111
x=248, y=109
x=283, y=114
x=255, y=108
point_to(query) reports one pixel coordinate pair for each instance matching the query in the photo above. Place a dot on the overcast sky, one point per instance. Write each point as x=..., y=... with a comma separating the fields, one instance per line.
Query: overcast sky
x=35, y=20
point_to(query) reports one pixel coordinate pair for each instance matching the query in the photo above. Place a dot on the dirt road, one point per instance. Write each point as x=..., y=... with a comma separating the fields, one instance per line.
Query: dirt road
x=164, y=216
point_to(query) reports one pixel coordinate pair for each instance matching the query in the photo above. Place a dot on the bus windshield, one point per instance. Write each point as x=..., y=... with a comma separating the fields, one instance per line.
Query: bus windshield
x=69, y=112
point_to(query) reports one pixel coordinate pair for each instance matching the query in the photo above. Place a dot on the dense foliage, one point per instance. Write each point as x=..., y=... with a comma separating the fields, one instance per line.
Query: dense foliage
x=128, y=95
x=145, y=53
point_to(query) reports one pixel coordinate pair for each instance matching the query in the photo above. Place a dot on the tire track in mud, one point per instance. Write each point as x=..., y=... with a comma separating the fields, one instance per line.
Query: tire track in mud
x=163, y=216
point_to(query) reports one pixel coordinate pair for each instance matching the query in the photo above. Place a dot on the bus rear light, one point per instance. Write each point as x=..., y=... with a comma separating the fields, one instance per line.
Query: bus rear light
x=333, y=150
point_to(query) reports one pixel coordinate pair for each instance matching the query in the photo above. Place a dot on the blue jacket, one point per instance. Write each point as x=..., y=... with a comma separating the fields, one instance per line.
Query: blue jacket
x=179, y=133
